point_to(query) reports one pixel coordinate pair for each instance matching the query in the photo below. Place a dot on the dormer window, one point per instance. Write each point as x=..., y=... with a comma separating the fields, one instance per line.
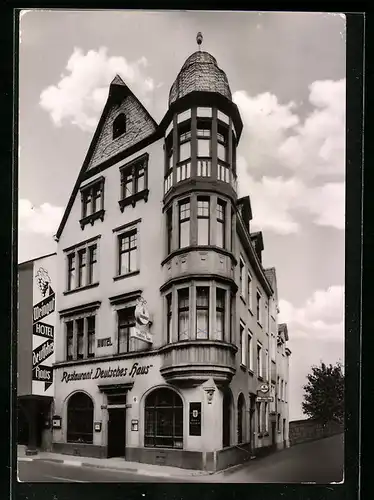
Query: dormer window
x=92, y=196
x=119, y=125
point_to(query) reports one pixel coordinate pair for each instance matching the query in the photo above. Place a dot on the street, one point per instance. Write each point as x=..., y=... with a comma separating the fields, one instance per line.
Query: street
x=319, y=461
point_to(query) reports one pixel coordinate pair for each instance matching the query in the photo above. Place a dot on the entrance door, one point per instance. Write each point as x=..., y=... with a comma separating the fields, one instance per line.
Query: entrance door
x=117, y=432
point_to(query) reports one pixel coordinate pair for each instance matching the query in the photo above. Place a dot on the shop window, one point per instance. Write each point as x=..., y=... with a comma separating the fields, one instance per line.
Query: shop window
x=221, y=226
x=184, y=223
x=119, y=125
x=223, y=173
x=91, y=336
x=241, y=419
x=266, y=417
x=87, y=272
x=202, y=312
x=183, y=314
x=134, y=182
x=163, y=419
x=169, y=156
x=203, y=218
x=126, y=321
x=204, y=149
x=92, y=197
x=220, y=313
x=127, y=252
x=80, y=414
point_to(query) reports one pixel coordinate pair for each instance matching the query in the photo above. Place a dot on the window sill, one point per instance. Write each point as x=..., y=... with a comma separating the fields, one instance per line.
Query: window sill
x=131, y=200
x=128, y=275
x=243, y=367
x=90, y=219
x=80, y=288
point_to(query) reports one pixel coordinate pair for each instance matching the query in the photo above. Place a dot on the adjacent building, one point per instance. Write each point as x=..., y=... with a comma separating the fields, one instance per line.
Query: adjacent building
x=35, y=349
x=168, y=348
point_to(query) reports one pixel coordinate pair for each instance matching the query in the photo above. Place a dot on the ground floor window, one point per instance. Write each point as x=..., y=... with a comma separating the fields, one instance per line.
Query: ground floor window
x=80, y=418
x=163, y=419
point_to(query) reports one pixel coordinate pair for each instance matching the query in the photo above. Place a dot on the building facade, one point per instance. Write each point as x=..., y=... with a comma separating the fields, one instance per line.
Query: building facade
x=35, y=349
x=166, y=317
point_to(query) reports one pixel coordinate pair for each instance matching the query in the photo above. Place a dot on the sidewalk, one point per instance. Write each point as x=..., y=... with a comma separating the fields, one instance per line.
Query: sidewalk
x=112, y=463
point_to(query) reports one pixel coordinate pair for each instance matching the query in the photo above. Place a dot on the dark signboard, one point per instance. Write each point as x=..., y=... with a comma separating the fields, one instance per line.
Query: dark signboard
x=195, y=419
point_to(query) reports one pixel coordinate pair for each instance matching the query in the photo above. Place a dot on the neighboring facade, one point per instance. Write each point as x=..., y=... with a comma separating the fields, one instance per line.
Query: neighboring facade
x=35, y=349
x=165, y=312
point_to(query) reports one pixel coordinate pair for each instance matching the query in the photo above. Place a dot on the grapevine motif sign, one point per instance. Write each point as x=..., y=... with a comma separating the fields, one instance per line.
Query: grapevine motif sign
x=43, y=331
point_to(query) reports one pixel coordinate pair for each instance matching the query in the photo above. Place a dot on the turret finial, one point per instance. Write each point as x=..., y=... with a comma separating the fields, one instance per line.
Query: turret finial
x=199, y=39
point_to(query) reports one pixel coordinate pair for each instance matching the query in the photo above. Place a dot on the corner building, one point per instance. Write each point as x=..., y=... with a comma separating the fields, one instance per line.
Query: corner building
x=167, y=327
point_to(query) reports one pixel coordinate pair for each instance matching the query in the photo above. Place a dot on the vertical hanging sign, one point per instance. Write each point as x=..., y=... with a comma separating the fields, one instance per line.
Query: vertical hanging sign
x=43, y=326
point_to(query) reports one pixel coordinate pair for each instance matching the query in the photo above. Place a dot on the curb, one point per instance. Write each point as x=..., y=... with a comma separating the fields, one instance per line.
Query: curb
x=144, y=472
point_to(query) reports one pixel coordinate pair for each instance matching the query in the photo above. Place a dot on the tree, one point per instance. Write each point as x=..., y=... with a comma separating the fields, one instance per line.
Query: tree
x=324, y=393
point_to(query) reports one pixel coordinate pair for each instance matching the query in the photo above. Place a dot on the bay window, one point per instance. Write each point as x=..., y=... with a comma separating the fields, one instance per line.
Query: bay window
x=169, y=230
x=184, y=224
x=71, y=271
x=259, y=360
x=81, y=266
x=220, y=313
x=91, y=336
x=183, y=314
x=203, y=213
x=80, y=338
x=202, y=312
x=169, y=318
x=220, y=215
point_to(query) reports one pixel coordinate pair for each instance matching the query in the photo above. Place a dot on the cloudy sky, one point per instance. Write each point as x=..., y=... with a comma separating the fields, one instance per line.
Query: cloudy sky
x=287, y=75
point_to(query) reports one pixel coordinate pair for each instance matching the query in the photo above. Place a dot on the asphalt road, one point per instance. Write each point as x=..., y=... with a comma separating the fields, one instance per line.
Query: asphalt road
x=319, y=462
x=51, y=472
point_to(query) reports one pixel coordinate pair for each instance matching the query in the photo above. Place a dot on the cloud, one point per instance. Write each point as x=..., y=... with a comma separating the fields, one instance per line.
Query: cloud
x=275, y=134
x=320, y=318
x=278, y=203
x=43, y=220
x=80, y=95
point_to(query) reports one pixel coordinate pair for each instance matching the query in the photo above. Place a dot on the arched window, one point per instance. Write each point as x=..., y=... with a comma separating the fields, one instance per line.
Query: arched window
x=241, y=418
x=119, y=125
x=163, y=419
x=80, y=418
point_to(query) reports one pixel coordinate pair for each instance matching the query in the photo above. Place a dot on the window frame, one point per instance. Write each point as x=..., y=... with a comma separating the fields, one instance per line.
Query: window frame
x=121, y=123
x=131, y=250
x=71, y=336
x=221, y=310
x=206, y=308
x=72, y=256
x=169, y=317
x=183, y=309
x=249, y=291
x=242, y=329
x=89, y=198
x=199, y=217
x=221, y=222
x=259, y=361
x=131, y=171
x=185, y=201
x=259, y=307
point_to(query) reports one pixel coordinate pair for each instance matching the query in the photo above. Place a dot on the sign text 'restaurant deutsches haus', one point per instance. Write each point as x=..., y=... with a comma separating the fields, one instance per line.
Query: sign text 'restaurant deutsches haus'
x=99, y=373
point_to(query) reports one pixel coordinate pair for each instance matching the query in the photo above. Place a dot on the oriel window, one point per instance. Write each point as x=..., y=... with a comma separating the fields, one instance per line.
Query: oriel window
x=202, y=312
x=184, y=224
x=169, y=318
x=203, y=221
x=220, y=313
x=169, y=230
x=183, y=314
x=220, y=214
x=69, y=340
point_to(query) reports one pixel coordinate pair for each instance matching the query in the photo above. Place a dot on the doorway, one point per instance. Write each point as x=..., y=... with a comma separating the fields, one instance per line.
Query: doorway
x=116, y=432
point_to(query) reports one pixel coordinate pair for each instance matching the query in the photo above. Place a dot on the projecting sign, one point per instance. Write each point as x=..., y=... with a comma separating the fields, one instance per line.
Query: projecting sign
x=142, y=322
x=195, y=419
x=43, y=320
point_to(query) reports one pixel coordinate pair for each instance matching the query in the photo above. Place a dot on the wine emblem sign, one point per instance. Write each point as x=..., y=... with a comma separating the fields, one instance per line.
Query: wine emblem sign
x=43, y=326
x=142, y=322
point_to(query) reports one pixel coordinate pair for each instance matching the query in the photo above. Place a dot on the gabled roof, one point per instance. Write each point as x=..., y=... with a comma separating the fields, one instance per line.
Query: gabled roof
x=118, y=90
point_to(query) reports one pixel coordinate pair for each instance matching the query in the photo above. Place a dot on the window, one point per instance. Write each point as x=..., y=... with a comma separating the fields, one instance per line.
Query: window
x=169, y=230
x=285, y=392
x=250, y=351
x=169, y=318
x=222, y=149
x=169, y=166
x=259, y=422
x=163, y=419
x=258, y=307
x=91, y=336
x=92, y=261
x=220, y=214
x=184, y=146
x=242, y=279
x=119, y=125
x=220, y=313
x=69, y=340
x=92, y=200
x=86, y=270
x=203, y=221
x=134, y=181
x=204, y=153
x=259, y=360
x=249, y=291
x=241, y=418
x=183, y=314
x=204, y=112
x=127, y=253
x=202, y=312
x=266, y=417
x=242, y=344
x=184, y=224
x=266, y=365
x=81, y=267
x=80, y=414
x=71, y=271
x=80, y=338
x=126, y=321
x=278, y=387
